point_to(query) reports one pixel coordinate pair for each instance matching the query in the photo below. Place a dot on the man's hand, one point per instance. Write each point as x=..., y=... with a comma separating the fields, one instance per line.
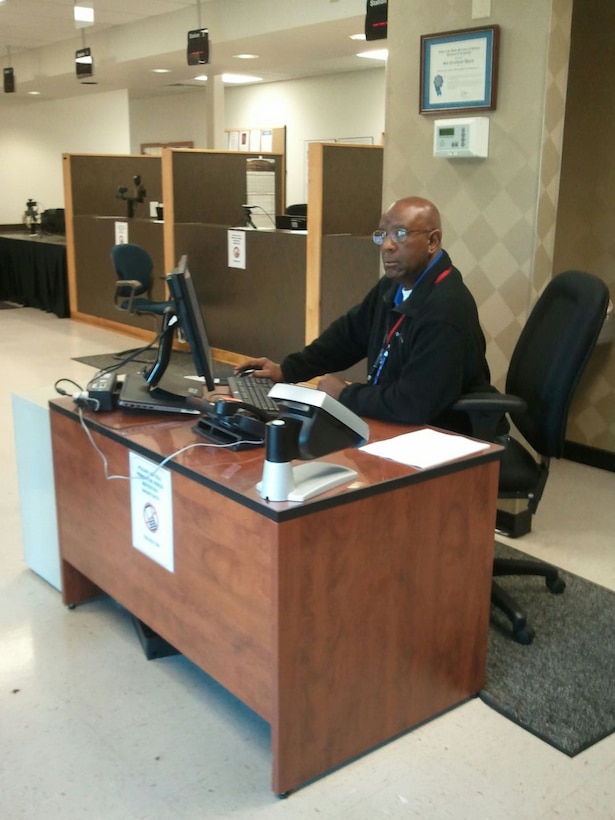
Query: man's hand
x=262, y=367
x=332, y=385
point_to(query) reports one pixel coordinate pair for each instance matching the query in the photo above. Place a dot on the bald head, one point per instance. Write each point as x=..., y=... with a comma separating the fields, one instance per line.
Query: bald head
x=415, y=212
x=404, y=259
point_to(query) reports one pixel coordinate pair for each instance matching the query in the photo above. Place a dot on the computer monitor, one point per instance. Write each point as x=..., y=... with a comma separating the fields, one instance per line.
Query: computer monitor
x=191, y=321
x=186, y=314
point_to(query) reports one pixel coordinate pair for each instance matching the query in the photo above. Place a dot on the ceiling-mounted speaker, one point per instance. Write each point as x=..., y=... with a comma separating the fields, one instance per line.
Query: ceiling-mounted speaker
x=376, y=19
x=9, y=81
x=198, y=46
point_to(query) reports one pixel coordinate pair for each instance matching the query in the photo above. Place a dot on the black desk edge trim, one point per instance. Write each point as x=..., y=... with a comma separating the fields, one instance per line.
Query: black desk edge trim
x=279, y=516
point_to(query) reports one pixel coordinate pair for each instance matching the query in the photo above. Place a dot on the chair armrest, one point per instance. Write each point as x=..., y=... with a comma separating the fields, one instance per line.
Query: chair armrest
x=486, y=410
x=121, y=286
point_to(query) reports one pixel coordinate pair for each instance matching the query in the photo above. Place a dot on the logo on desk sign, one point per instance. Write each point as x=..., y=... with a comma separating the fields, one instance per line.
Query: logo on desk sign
x=150, y=516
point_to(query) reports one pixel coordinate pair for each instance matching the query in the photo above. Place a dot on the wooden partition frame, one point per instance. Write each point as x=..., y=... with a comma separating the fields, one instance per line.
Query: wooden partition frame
x=208, y=187
x=92, y=207
x=344, y=207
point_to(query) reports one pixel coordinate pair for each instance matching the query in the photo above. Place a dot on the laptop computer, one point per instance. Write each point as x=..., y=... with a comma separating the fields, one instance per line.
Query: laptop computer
x=136, y=394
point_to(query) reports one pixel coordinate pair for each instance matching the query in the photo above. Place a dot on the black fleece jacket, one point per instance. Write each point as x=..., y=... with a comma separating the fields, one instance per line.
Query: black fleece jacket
x=436, y=354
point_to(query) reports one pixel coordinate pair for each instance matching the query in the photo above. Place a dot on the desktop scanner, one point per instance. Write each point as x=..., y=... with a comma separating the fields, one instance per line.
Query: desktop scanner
x=310, y=424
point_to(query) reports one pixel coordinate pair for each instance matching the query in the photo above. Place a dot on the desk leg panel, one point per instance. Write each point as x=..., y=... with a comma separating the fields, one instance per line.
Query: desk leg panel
x=382, y=618
x=215, y=606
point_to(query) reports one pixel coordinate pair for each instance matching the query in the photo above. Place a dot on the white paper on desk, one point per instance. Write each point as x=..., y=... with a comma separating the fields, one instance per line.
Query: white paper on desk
x=424, y=448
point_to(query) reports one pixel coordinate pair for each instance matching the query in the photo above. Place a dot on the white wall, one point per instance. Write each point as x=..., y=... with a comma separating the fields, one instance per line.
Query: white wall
x=340, y=106
x=180, y=117
x=33, y=137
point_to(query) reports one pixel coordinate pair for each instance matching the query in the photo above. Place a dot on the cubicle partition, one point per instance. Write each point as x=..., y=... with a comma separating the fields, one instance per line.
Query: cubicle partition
x=293, y=283
x=251, y=310
x=256, y=310
x=344, y=208
x=92, y=209
x=210, y=187
x=94, y=238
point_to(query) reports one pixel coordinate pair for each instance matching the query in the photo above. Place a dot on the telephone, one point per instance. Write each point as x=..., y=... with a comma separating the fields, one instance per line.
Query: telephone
x=233, y=423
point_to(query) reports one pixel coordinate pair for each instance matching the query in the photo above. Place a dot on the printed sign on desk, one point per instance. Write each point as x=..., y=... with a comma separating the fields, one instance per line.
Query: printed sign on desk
x=236, y=249
x=151, y=508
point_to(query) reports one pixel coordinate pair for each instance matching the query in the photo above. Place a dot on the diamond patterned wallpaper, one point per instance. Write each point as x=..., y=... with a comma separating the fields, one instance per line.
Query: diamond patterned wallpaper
x=489, y=207
x=499, y=214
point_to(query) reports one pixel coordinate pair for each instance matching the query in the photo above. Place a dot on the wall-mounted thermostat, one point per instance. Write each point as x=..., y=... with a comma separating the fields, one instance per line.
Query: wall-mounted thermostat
x=461, y=137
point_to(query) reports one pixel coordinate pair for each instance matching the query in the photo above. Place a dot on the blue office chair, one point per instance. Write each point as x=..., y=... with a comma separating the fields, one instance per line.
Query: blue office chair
x=133, y=266
x=547, y=362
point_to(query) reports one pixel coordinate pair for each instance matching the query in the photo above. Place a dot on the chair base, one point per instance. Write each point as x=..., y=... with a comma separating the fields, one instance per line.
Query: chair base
x=513, y=522
x=500, y=598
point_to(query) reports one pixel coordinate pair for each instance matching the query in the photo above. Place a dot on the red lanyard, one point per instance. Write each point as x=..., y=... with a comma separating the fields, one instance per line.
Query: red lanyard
x=380, y=362
x=391, y=332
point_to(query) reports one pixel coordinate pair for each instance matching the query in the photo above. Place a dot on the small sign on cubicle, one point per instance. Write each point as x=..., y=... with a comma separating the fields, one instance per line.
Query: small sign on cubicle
x=236, y=249
x=121, y=233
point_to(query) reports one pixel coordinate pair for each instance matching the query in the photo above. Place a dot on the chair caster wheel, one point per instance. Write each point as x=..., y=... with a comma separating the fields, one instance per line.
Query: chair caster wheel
x=524, y=635
x=556, y=585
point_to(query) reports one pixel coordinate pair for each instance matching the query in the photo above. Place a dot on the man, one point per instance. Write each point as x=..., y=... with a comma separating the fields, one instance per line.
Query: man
x=418, y=328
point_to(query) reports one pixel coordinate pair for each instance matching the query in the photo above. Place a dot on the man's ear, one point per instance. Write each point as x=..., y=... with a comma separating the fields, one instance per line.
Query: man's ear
x=435, y=239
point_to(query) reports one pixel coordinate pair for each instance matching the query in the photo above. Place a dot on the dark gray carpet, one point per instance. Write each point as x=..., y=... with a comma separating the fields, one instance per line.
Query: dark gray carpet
x=561, y=687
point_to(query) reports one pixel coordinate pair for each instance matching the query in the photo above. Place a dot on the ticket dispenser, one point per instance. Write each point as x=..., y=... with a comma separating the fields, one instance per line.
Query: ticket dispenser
x=461, y=137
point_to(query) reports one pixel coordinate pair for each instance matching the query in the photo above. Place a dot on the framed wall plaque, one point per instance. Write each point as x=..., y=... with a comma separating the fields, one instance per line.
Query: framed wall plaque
x=459, y=70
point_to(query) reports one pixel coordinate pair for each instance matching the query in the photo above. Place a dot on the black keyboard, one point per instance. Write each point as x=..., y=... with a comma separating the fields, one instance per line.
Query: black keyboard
x=253, y=390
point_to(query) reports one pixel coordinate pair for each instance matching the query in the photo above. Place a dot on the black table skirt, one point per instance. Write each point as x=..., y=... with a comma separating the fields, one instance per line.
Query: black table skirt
x=33, y=273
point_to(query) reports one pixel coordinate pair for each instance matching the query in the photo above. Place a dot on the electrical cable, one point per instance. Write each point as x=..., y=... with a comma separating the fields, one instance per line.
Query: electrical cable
x=158, y=466
x=127, y=359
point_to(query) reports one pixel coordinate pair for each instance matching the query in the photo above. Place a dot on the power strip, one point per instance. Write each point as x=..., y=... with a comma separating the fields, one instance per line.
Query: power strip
x=102, y=392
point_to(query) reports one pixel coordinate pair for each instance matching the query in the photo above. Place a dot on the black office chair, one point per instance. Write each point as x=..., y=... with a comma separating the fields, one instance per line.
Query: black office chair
x=300, y=209
x=133, y=267
x=546, y=365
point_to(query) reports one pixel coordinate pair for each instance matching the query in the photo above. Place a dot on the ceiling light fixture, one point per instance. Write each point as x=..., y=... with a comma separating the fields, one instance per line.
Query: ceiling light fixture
x=161, y=70
x=246, y=56
x=359, y=36
x=378, y=54
x=83, y=13
x=238, y=79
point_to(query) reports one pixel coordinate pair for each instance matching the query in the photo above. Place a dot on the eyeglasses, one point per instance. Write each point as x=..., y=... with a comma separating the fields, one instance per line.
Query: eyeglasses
x=397, y=234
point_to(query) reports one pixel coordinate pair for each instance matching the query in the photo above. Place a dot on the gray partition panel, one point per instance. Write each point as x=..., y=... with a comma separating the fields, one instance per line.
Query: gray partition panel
x=94, y=238
x=210, y=186
x=96, y=179
x=258, y=311
x=350, y=268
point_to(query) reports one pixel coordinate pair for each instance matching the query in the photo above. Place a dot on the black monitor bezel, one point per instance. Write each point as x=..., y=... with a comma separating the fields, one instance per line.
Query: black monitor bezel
x=190, y=317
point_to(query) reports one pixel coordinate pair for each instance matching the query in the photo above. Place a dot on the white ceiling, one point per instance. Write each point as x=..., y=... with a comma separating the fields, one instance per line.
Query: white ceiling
x=293, y=38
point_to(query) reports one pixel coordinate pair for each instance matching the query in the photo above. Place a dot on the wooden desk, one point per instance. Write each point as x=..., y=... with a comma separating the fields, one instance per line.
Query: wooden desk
x=343, y=621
